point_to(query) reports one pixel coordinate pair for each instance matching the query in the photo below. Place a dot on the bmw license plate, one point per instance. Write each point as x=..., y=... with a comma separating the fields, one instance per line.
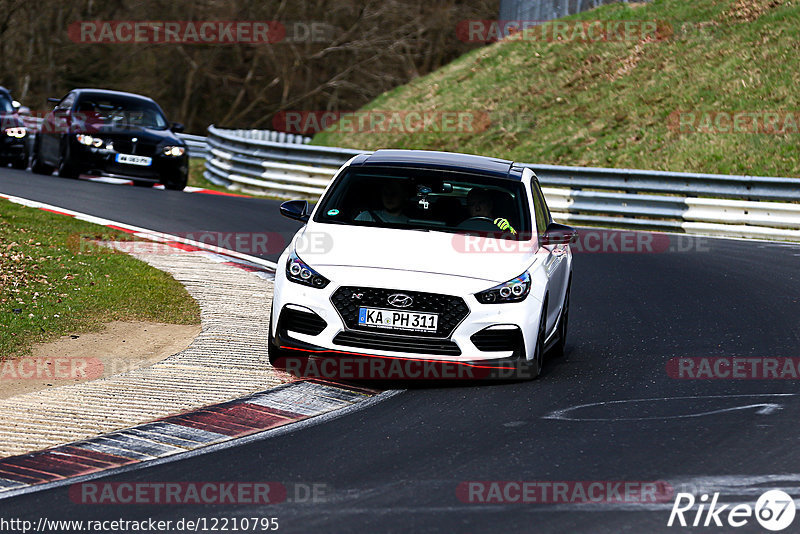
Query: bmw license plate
x=131, y=159
x=398, y=320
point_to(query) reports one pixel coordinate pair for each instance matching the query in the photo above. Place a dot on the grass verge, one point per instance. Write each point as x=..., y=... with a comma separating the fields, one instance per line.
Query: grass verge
x=51, y=285
x=614, y=104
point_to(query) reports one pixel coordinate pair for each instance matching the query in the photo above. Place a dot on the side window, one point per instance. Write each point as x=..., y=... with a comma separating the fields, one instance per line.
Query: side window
x=66, y=102
x=542, y=213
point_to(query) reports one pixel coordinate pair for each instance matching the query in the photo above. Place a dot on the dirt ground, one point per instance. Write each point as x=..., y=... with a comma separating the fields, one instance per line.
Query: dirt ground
x=122, y=346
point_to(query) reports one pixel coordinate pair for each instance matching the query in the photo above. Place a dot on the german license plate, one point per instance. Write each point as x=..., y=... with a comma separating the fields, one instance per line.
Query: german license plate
x=398, y=320
x=131, y=159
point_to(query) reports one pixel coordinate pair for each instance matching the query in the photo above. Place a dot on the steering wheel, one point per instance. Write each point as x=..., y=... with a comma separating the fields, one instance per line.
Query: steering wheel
x=478, y=223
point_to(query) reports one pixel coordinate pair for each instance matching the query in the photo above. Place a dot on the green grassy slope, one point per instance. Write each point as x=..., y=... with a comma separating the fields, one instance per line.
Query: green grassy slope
x=609, y=103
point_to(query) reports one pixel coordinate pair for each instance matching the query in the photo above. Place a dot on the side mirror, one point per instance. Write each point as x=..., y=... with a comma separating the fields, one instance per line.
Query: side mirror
x=559, y=234
x=295, y=209
x=177, y=127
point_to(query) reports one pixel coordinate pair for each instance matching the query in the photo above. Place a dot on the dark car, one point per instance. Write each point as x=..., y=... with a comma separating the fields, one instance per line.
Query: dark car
x=13, y=146
x=111, y=133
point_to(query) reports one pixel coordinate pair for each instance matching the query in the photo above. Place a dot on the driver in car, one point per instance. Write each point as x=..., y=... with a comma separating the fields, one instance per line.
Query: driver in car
x=481, y=204
x=393, y=195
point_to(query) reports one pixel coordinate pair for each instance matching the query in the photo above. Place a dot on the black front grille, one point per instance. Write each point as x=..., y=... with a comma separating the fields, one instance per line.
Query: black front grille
x=452, y=310
x=496, y=340
x=303, y=322
x=124, y=145
x=396, y=343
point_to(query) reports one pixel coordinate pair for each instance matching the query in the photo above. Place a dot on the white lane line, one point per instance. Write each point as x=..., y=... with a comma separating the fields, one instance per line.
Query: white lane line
x=150, y=234
x=763, y=408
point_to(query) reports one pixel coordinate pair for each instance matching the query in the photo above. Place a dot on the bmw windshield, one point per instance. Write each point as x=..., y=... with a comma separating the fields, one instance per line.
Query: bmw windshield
x=121, y=112
x=420, y=199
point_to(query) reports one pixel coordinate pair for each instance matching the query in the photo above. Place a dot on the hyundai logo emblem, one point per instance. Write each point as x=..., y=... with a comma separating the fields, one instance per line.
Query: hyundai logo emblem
x=399, y=300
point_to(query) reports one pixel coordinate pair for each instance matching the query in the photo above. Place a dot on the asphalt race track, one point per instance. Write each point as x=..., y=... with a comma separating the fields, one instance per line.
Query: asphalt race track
x=396, y=466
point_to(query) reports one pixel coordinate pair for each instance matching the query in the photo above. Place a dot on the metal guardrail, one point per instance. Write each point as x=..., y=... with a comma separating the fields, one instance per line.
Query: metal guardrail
x=710, y=204
x=279, y=169
x=195, y=145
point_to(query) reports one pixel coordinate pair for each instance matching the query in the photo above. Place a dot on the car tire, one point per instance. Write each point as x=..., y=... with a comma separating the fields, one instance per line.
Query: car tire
x=140, y=183
x=535, y=364
x=561, y=345
x=275, y=353
x=176, y=185
x=65, y=168
x=20, y=164
x=37, y=167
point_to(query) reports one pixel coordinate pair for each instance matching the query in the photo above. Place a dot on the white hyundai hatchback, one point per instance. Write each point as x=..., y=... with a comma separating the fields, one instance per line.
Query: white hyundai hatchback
x=425, y=256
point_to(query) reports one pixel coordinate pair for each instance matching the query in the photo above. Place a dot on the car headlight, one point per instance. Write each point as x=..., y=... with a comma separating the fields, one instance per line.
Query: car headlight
x=17, y=132
x=297, y=271
x=174, y=151
x=88, y=140
x=515, y=290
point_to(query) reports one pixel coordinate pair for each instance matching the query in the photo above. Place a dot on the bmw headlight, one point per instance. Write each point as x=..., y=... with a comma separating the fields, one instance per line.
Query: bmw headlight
x=174, y=151
x=88, y=140
x=515, y=290
x=297, y=271
x=17, y=132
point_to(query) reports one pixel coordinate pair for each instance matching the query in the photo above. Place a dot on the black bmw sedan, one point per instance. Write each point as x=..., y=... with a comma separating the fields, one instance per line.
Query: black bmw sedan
x=111, y=133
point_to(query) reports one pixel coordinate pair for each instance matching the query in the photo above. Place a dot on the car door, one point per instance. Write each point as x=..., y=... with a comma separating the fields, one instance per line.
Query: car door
x=54, y=128
x=555, y=263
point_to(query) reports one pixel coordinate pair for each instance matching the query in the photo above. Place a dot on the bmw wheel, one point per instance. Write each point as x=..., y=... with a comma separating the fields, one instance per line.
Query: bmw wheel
x=176, y=185
x=37, y=166
x=65, y=167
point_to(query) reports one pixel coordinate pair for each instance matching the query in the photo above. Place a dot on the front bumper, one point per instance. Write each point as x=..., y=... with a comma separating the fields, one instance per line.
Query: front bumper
x=13, y=148
x=101, y=161
x=491, y=335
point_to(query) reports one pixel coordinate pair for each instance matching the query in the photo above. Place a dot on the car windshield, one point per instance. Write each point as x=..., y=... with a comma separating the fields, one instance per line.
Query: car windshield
x=5, y=104
x=121, y=112
x=424, y=199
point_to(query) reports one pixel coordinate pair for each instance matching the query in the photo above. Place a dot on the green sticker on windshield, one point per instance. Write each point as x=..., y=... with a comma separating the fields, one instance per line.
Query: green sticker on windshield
x=333, y=213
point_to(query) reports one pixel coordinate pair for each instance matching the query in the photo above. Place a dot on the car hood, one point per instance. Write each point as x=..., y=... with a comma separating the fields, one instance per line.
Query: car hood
x=333, y=245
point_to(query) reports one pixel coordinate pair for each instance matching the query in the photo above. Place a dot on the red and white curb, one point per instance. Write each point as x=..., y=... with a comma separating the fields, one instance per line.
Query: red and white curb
x=178, y=435
x=259, y=266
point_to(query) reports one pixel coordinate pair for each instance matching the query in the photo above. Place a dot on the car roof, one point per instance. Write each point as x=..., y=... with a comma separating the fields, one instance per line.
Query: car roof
x=451, y=161
x=110, y=92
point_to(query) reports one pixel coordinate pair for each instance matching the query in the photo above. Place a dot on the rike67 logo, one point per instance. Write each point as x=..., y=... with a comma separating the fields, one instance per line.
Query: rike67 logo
x=774, y=511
